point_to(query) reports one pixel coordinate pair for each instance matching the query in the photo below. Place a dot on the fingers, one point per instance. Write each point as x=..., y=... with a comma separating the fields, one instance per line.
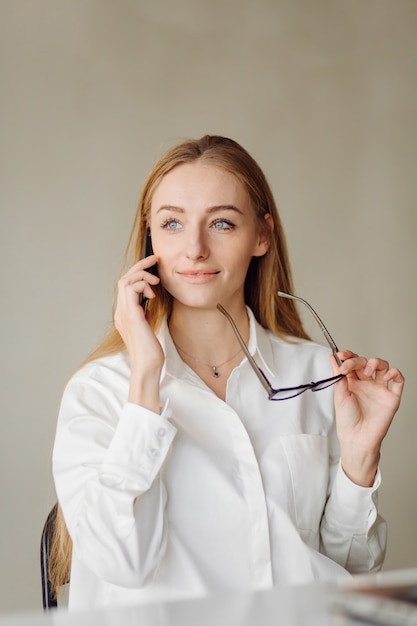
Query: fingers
x=373, y=369
x=395, y=380
x=139, y=269
x=138, y=280
x=129, y=316
x=352, y=364
x=364, y=368
x=368, y=369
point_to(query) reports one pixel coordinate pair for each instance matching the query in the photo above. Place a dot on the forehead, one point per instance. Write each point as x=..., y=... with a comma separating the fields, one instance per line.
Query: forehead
x=199, y=184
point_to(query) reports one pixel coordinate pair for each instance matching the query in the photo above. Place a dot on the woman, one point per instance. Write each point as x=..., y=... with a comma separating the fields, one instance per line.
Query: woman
x=176, y=475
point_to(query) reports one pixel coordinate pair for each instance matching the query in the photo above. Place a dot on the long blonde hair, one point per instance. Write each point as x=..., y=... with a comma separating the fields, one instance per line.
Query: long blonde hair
x=266, y=274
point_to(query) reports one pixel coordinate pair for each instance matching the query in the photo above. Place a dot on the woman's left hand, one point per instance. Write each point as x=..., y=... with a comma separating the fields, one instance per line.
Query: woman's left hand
x=366, y=401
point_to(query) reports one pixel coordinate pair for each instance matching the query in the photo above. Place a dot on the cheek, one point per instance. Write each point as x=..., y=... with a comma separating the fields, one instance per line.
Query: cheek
x=162, y=266
x=243, y=253
x=166, y=264
x=237, y=268
x=161, y=249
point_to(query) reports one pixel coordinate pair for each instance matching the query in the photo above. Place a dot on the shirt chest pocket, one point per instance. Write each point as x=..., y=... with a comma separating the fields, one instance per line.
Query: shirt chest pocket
x=308, y=463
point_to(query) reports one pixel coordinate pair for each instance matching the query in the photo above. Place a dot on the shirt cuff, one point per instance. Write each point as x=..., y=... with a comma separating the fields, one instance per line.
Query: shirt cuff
x=351, y=506
x=138, y=449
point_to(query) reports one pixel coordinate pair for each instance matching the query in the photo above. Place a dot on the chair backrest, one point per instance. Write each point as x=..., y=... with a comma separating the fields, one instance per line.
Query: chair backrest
x=48, y=599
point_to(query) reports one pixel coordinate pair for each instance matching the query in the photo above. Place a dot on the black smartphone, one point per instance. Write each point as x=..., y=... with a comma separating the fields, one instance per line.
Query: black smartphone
x=147, y=250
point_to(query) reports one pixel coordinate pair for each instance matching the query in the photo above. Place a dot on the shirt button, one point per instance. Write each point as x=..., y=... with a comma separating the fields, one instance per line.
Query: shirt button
x=161, y=432
x=154, y=452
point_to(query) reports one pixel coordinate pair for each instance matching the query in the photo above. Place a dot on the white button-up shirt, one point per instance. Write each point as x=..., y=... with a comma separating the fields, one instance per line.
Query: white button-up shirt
x=209, y=495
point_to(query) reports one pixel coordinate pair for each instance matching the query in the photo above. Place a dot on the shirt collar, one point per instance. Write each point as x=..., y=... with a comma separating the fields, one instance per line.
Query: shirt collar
x=259, y=346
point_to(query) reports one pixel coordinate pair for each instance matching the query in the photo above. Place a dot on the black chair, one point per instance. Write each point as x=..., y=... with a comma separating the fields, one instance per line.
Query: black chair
x=48, y=599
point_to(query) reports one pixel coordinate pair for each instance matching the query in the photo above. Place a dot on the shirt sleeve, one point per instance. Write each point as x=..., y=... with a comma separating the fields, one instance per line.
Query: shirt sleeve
x=106, y=463
x=352, y=532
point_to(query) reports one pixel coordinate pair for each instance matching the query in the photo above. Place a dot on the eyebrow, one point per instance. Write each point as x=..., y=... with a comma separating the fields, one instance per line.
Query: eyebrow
x=212, y=209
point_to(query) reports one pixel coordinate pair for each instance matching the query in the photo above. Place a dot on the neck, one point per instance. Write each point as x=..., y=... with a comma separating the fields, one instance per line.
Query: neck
x=207, y=335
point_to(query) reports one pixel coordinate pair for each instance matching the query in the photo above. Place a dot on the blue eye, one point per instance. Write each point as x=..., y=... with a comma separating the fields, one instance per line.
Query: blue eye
x=171, y=224
x=223, y=225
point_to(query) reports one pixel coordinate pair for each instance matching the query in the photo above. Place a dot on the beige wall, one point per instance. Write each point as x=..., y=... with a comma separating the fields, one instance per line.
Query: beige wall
x=323, y=93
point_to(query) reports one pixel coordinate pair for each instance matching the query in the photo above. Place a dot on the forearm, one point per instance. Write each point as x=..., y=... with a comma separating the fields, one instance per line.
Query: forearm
x=106, y=469
x=352, y=532
x=120, y=539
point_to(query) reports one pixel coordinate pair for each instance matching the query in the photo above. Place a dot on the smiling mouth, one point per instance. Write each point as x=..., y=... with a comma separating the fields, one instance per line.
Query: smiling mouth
x=197, y=276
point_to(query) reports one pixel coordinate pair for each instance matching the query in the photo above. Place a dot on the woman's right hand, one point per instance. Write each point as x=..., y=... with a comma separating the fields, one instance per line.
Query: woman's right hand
x=145, y=351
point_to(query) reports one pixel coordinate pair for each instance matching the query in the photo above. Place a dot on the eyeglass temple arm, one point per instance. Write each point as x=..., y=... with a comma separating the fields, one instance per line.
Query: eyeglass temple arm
x=248, y=355
x=324, y=330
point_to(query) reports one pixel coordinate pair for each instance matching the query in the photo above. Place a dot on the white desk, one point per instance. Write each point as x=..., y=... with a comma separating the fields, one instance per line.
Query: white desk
x=292, y=606
x=312, y=605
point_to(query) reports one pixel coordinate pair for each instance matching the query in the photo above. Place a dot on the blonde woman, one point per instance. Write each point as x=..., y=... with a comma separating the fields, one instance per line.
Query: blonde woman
x=193, y=452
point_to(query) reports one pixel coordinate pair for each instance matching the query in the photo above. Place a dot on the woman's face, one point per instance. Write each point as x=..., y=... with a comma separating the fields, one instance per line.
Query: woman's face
x=205, y=234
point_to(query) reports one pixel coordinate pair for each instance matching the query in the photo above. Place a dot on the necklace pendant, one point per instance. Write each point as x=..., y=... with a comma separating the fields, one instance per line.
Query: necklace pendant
x=214, y=372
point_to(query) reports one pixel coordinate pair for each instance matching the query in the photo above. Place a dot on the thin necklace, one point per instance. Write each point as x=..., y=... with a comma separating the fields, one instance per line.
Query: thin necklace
x=214, y=368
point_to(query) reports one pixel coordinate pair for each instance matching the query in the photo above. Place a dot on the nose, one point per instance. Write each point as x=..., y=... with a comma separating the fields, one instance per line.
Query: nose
x=197, y=245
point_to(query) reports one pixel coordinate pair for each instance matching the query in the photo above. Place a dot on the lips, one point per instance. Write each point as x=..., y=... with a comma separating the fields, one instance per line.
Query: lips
x=197, y=273
x=198, y=276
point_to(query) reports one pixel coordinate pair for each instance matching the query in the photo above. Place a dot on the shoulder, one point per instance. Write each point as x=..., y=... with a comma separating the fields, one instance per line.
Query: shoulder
x=306, y=359
x=304, y=348
x=295, y=345
x=284, y=344
x=300, y=357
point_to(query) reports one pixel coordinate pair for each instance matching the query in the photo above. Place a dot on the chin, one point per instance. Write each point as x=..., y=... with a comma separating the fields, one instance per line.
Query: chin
x=194, y=298
x=196, y=302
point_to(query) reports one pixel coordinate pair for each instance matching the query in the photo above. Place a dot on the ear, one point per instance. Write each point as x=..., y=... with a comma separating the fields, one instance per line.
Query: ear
x=265, y=235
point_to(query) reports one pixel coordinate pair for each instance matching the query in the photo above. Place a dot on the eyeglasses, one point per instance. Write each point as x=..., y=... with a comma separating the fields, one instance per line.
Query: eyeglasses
x=285, y=393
